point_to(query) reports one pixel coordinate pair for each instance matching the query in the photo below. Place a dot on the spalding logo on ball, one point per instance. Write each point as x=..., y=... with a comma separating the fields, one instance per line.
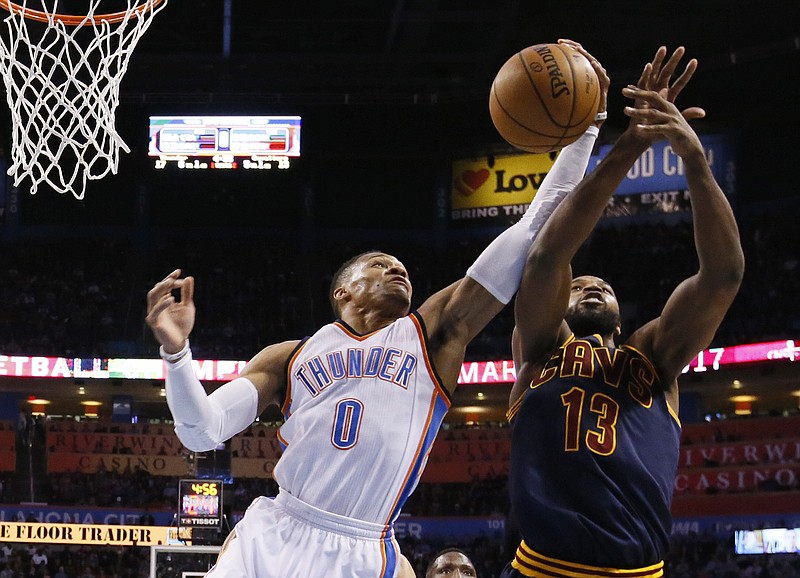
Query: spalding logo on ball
x=544, y=98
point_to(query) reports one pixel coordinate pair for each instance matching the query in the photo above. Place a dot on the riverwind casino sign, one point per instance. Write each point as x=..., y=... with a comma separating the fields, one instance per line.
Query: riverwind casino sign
x=498, y=189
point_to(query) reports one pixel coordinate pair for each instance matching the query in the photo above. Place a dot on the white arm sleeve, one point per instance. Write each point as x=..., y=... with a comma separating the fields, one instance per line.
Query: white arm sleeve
x=499, y=267
x=202, y=422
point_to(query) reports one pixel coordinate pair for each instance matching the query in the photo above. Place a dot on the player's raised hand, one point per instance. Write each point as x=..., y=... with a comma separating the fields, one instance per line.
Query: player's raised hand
x=662, y=73
x=171, y=320
x=660, y=119
x=657, y=78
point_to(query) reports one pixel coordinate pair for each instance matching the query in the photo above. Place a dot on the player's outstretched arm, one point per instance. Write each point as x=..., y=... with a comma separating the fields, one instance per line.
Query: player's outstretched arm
x=456, y=314
x=204, y=421
x=462, y=310
x=696, y=308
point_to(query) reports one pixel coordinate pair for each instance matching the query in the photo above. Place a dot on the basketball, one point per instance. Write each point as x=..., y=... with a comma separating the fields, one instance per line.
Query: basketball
x=544, y=97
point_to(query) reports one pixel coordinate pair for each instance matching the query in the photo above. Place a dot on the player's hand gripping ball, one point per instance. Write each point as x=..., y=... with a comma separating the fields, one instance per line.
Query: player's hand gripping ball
x=544, y=98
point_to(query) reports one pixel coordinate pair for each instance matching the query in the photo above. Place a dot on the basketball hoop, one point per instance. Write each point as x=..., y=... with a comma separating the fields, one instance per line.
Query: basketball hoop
x=62, y=85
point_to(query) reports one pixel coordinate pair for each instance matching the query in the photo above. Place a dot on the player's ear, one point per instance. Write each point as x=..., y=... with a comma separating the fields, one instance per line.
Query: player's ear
x=618, y=330
x=341, y=294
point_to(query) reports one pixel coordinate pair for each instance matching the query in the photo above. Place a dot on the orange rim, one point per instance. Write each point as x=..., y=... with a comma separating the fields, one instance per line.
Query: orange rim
x=78, y=20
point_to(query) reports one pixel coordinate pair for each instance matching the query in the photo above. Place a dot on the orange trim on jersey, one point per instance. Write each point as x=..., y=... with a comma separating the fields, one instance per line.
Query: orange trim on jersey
x=384, y=557
x=528, y=562
x=417, y=452
x=350, y=332
x=287, y=400
x=280, y=438
x=384, y=561
x=423, y=339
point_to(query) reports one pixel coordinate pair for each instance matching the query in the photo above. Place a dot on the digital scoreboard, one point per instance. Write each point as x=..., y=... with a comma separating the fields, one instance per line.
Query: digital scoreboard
x=200, y=503
x=212, y=142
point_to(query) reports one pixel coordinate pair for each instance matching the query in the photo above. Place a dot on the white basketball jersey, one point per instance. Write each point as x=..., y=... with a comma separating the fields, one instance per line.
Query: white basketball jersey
x=362, y=412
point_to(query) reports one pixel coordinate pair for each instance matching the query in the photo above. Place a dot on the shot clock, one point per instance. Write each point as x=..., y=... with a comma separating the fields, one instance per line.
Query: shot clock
x=200, y=503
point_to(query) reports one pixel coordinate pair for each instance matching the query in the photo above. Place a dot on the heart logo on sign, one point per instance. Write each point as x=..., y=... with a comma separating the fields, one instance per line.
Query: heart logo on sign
x=475, y=179
x=469, y=181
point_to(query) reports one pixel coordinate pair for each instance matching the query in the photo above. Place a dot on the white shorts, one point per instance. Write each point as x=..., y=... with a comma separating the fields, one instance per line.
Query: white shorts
x=286, y=538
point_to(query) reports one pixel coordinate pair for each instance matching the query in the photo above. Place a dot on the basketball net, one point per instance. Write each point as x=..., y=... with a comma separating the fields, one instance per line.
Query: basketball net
x=62, y=75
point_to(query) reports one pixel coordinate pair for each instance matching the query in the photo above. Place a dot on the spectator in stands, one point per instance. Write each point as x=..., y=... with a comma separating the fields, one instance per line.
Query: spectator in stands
x=39, y=557
x=451, y=563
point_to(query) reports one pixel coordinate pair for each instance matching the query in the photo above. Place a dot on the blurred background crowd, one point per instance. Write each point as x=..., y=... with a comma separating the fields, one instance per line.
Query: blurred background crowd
x=87, y=298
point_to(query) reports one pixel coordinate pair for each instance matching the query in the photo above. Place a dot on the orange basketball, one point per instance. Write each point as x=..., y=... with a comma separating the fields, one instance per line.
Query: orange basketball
x=544, y=97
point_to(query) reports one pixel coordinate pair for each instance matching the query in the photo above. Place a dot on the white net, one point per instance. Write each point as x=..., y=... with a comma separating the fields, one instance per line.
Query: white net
x=62, y=78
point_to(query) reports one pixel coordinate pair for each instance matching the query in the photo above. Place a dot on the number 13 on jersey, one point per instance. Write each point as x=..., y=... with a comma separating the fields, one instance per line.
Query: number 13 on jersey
x=602, y=439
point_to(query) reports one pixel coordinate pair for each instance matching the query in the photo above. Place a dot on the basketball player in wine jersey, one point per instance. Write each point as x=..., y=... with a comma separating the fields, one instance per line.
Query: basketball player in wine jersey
x=595, y=425
x=363, y=397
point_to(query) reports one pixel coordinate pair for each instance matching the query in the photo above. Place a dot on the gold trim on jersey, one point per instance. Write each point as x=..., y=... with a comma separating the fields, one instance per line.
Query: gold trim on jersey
x=674, y=414
x=528, y=562
x=642, y=355
x=512, y=411
x=670, y=409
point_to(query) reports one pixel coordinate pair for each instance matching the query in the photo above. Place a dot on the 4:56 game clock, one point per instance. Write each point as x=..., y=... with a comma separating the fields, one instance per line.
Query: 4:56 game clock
x=200, y=503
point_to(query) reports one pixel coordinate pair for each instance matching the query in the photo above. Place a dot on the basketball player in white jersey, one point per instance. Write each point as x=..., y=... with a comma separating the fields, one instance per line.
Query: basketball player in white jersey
x=363, y=398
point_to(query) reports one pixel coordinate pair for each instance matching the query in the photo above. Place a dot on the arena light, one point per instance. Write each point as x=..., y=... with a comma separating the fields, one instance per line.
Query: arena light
x=743, y=404
x=471, y=409
x=38, y=405
x=90, y=407
x=471, y=414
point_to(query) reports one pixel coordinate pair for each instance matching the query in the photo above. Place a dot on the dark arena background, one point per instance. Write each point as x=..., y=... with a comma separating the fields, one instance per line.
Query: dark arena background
x=392, y=99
